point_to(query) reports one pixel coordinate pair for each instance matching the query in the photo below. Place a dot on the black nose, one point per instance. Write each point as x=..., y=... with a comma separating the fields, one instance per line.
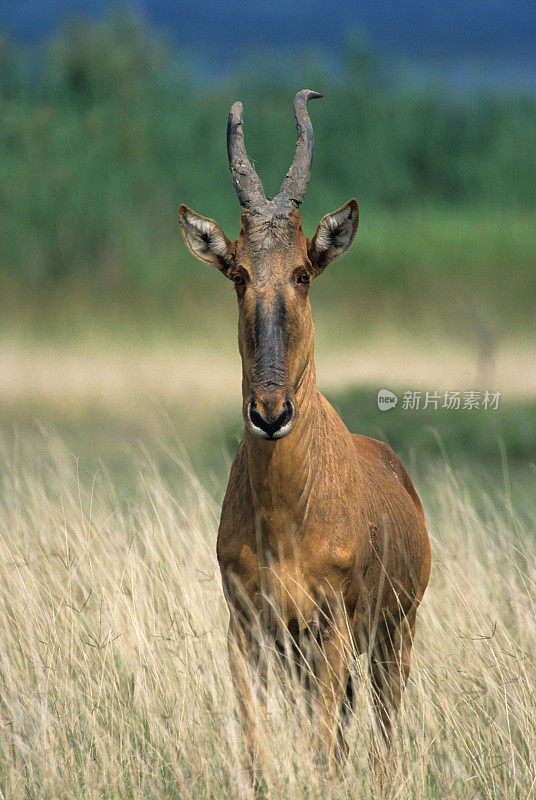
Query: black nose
x=271, y=426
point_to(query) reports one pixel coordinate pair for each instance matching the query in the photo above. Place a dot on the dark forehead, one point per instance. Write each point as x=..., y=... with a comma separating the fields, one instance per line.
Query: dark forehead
x=269, y=237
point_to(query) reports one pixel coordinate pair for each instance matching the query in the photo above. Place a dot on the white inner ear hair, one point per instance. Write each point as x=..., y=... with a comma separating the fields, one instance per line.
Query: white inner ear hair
x=335, y=230
x=206, y=237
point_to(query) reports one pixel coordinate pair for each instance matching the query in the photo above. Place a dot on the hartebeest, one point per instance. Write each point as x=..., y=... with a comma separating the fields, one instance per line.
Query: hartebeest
x=322, y=542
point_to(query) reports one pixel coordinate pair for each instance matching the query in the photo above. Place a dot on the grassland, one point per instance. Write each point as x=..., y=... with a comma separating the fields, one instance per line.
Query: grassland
x=113, y=671
x=119, y=414
x=113, y=663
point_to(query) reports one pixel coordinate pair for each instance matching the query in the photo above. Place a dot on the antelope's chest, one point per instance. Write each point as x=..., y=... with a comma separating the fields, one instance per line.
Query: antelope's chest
x=297, y=577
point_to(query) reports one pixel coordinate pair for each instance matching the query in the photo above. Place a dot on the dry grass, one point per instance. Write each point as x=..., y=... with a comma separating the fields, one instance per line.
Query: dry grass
x=113, y=671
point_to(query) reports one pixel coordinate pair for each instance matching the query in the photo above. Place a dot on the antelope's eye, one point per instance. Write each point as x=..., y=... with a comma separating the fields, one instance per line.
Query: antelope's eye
x=239, y=279
x=303, y=277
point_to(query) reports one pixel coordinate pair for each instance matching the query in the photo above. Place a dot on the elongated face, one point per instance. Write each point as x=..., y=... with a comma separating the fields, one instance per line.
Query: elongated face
x=272, y=274
x=272, y=265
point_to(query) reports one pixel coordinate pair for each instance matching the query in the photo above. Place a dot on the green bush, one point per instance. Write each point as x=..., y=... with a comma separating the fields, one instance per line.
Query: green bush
x=478, y=435
x=104, y=132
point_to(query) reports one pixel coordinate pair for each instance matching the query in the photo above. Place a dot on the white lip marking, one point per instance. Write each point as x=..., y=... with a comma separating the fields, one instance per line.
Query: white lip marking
x=283, y=431
x=256, y=431
x=263, y=435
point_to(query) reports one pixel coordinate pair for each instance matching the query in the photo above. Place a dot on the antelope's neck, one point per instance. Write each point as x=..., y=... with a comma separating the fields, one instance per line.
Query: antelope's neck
x=282, y=472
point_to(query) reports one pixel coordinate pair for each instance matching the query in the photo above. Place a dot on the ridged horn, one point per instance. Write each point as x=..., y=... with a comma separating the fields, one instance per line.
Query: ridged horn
x=247, y=183
x=294, y=186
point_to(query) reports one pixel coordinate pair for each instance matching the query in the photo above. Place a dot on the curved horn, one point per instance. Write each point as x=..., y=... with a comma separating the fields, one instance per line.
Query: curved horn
x=294, y=186
x=247, y=183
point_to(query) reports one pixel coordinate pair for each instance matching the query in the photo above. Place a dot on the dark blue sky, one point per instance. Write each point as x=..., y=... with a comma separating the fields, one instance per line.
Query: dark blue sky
x=498, y=36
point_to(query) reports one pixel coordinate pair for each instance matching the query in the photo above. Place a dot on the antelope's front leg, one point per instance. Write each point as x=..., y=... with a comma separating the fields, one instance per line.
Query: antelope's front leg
x=332, y=675
x=389, y=671
x=249, y=675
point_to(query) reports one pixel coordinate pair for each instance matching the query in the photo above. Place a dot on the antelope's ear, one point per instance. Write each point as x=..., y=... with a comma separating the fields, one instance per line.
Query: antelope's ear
x=205, y=239
x=334, y=235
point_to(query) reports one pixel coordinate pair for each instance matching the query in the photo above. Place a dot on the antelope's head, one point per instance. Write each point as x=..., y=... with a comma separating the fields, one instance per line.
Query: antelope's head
x=272, y=265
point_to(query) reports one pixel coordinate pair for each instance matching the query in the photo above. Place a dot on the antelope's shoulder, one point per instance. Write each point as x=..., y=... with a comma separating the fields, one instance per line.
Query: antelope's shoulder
x=380, y=457
x=236, y=529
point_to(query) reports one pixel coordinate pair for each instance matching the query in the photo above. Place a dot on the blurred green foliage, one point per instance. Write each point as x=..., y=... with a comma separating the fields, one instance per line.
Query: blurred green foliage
x=480, y=435
x=105, y=131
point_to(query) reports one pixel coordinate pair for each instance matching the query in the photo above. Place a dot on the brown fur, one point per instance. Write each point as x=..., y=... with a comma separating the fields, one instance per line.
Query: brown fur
x=322, y=542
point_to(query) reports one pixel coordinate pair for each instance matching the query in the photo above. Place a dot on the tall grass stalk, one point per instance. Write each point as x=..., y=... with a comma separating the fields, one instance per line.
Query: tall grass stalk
x=114, y=680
